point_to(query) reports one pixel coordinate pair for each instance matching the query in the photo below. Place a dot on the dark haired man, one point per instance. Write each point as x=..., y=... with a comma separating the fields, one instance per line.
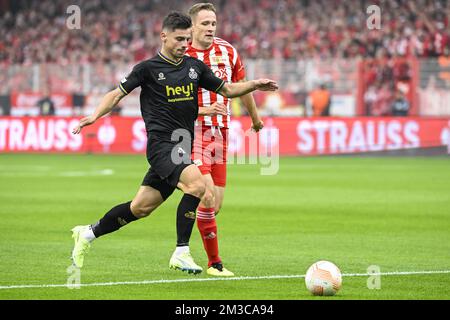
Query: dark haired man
x=169, y=83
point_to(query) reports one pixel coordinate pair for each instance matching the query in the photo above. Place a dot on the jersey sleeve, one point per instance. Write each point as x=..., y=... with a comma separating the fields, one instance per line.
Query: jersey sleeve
x=133, y=80
x=238, y=70
x=208, y=80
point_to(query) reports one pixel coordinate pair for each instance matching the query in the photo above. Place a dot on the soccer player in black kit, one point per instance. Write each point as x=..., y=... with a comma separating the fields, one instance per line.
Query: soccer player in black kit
x=169, y=83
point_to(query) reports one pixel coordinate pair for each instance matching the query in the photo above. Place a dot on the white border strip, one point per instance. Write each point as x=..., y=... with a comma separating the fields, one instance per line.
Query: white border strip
x=102, y=284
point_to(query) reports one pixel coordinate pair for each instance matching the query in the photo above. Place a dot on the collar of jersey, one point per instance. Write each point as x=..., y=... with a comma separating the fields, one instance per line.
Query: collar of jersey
x=202, y=50
x=169, y=60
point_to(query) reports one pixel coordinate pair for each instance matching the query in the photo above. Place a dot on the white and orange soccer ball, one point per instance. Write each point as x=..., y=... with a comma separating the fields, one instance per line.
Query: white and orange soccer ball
x=323, y=278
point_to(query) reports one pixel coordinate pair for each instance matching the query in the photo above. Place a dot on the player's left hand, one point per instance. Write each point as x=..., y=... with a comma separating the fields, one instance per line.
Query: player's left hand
x=266, y=85
x=257, y=125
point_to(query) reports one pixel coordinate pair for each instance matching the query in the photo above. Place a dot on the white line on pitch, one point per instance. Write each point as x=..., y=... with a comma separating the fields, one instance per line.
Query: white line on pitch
x=100, y=284
x=43, y=171
x=104, y=172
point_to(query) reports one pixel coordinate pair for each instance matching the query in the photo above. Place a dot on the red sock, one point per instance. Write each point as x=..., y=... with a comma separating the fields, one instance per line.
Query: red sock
x=206, y=222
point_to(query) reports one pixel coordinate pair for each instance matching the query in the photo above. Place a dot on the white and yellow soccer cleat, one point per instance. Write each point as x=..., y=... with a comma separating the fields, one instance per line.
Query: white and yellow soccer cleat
x=81, y=246
x=184, y=262
x=218, y=270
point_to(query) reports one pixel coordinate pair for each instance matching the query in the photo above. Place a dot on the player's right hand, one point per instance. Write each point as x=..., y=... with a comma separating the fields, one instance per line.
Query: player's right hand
x=217, y=108
x=86, y=121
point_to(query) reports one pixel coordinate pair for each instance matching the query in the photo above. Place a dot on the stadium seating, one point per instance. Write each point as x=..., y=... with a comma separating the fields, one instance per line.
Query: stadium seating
x=127, y=31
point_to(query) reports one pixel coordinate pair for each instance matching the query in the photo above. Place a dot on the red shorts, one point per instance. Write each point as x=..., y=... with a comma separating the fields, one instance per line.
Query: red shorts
x=210, y=152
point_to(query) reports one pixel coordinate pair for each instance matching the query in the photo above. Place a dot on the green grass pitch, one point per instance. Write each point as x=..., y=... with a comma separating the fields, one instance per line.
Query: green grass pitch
x=391, y=212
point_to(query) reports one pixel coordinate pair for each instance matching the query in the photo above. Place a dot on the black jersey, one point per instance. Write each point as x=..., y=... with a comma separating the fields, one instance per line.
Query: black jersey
x=169, y=99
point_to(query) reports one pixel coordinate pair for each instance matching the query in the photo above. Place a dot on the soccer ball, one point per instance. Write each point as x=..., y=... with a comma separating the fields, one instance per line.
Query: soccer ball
x=323, y=278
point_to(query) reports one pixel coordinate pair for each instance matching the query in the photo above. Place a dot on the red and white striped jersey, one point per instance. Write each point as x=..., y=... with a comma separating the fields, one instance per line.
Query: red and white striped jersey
x=224, y=61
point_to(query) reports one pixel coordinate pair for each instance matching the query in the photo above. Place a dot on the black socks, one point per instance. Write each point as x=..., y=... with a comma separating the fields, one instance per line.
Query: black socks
x=121, y=215
x=114, y=219
x=186, y=218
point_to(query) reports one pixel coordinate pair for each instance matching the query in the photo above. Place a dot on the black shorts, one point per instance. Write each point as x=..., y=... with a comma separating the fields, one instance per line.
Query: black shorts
x=166, y=164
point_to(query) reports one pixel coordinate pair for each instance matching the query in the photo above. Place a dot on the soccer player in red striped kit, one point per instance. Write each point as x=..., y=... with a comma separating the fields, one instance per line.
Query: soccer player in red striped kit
x=210, y=145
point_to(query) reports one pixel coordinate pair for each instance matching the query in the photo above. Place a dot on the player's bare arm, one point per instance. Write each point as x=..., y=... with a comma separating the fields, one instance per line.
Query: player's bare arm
x=109, y=101
x=249, y=103
x=232, y=90
x=215, y=109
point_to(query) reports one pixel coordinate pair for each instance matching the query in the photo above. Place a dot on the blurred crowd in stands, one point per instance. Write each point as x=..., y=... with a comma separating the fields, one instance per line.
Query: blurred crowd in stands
x=111, y=31
x=117, y=33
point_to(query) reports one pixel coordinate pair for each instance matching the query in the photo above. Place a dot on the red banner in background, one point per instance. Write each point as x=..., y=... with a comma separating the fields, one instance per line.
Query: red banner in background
x=288, y=136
